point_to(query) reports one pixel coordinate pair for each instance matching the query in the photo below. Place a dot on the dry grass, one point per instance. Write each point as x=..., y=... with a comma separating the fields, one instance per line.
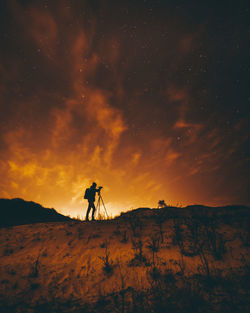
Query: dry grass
x=168, y=263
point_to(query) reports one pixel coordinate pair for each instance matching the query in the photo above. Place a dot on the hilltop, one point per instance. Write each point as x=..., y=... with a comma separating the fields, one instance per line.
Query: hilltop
x=18, y=212
x=192, y=259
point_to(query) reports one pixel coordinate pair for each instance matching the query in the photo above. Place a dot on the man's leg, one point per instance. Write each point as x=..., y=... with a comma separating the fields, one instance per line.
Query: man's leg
x=88, y=210
x=93, y=212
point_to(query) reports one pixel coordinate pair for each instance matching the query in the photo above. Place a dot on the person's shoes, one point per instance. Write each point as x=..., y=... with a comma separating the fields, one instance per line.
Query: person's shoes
x=93, y=219
x=87, y=220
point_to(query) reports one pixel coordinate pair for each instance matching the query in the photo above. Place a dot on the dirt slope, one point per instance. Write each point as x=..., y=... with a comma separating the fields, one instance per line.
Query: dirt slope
x=78, y=263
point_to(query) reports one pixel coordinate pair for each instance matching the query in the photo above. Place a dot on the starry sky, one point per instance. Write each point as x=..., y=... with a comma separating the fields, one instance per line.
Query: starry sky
x=150, y=99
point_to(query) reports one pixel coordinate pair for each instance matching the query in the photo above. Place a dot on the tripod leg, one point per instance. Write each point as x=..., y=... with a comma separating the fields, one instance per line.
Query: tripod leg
x=104, y=206
x=98, y=208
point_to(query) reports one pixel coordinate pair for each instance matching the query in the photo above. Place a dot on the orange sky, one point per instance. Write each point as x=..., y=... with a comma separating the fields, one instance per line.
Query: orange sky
x=83, y=100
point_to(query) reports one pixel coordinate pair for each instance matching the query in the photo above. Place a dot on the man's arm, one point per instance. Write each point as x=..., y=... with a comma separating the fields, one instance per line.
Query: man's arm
x=98, y=189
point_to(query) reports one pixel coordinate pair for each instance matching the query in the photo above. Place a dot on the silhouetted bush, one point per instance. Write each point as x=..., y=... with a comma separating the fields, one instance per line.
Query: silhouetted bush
x=205, y=267
x=34, y=286
x=135, y=225
x=34, y=271
x=245, y=237
x=124, y=238
x=177, y=236
x=181, y=264
x=139, y=258
x=117, y=232
x=155, y=273
x=153, y=244
x=7, y=251
x=215, y=241
x=108, y=264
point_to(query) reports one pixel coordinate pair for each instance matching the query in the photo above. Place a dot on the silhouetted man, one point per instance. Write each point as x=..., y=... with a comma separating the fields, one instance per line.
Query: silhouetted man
x=90, y=196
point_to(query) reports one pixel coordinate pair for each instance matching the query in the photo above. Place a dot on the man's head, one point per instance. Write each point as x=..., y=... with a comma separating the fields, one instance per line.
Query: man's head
x=93, y=185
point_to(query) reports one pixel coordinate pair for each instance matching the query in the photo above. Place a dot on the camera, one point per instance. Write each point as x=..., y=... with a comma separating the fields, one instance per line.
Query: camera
x=100, y=187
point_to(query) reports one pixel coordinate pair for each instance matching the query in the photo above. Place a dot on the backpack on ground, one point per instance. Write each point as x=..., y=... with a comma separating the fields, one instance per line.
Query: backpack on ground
x=87, y=193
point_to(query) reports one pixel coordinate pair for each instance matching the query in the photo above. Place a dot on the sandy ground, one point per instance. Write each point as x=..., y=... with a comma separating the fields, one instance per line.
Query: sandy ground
x=65, y=260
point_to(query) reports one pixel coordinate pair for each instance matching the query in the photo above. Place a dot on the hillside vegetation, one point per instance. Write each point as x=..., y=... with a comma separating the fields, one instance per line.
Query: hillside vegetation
x=193, y=259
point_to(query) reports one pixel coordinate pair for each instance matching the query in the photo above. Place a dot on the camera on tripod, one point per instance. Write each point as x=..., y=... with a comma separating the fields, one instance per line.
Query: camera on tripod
x=99, y=189
x=99, y=202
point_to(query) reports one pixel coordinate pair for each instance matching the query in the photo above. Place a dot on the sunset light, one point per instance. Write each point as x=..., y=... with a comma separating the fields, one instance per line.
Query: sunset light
x=141, y=105
x=124, y=156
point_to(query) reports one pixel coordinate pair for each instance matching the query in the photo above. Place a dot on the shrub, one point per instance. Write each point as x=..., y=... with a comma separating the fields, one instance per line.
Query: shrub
x=245, y=238
x=135, y=225
x=154, y=245
x=7, y=252
x=34, y=272
x=108, y=265
x=215, y=241
x=124, y=237
x=139, y=257
x=155, y=273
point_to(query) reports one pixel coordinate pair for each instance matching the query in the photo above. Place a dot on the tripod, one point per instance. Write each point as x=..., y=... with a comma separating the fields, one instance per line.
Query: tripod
x=98, y=206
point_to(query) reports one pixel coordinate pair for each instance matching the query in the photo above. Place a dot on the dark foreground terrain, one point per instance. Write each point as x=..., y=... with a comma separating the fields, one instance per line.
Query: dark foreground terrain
x=193, y=259
x=19, y=212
